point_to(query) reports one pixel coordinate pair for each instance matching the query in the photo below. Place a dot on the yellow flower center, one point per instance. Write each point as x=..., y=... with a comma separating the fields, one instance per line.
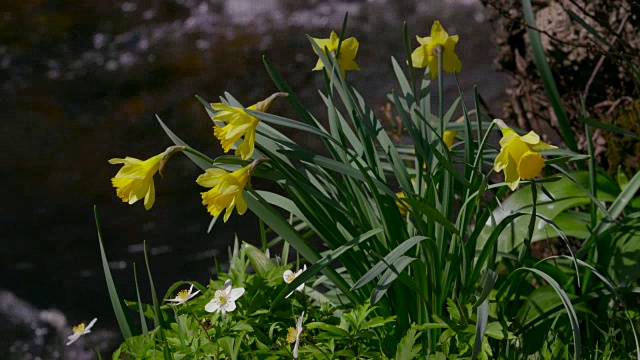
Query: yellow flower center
x=291, y=335
x=183, y=294
x=222, y=299
x=78, y=329
x=530, y=165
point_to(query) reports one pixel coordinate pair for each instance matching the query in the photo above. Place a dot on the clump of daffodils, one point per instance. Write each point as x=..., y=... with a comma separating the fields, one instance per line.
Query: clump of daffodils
x=427, y=53
x=519, y=155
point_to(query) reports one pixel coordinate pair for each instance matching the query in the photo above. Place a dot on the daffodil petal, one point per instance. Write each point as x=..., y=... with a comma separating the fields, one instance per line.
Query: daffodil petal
x=450, y=61
x=419, y=57
x=150, y=197
x=438, y=34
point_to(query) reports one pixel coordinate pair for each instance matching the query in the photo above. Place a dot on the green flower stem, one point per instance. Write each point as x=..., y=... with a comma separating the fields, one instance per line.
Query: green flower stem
x=175, y=313
x=198, y=154
x=199, y=322
x=441, y=95
x=532, y=223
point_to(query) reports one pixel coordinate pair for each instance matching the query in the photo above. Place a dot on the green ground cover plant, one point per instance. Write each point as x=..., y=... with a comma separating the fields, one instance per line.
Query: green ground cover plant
x=426, y=243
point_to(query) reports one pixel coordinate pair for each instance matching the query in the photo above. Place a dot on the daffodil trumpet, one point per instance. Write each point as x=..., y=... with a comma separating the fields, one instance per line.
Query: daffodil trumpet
x=519, y=156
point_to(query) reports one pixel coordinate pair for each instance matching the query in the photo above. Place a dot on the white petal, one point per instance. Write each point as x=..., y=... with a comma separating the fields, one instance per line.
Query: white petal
x=286, y=297
x=227, y=286
x=234, y=294
x=299, y=325
x=90, y=325
x=287, y=274
x=212, y=306
x=300, y=288
x=73, y=338
x=230, y=306
x=192, y=295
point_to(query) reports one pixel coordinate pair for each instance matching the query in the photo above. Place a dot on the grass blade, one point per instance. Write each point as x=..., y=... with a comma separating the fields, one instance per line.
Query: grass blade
x=573, y=318
x=391, y=257
x=143, y=321
x=124, y=321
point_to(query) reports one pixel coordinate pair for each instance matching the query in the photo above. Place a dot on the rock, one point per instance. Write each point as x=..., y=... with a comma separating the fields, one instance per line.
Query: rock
x=27, y=332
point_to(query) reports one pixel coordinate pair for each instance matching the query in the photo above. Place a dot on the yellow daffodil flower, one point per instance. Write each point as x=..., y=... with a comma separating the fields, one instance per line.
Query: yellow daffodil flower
x=401, y=203
x=426, y=54
x=348, y=51
x=227, y=190
x=134, y=181
x=519, y=156
x=239, y=124
x=450, y=137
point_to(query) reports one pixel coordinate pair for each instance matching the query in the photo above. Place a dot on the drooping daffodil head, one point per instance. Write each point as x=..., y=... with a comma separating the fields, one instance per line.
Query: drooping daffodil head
x=134, y=181
x=346, y=54
x=519, y=156
x=227, y=189
x=183, y=296
x=224, y=300
x=289, y=276
x=293, y=335
x=239, y=124
x=427, y=53
x=80, y=330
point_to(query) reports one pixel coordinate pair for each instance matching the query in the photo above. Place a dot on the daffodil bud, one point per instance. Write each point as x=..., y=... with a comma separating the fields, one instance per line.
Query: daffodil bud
x=266, y=103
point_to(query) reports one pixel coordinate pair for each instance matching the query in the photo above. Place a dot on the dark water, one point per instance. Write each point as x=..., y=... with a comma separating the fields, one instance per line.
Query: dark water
x=82, y=82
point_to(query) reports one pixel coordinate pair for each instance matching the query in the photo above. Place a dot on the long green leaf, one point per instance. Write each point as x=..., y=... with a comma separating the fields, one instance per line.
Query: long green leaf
x=123, y=319
x=390, y=276
x=390, y=258
x=547, y=76
x=481, y=328
x=573, y=318
x=600, y=125
x=143, y=321
x=159, y=318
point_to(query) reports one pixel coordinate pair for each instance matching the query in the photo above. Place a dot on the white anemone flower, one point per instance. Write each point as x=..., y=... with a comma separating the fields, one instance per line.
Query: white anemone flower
x=80, y=330
x=293, y=336
x=183, y=296
x=224, y=300
x=289, y=276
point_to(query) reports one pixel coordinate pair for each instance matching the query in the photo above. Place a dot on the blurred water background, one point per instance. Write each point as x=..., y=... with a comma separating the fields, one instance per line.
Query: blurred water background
x=83, y=80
